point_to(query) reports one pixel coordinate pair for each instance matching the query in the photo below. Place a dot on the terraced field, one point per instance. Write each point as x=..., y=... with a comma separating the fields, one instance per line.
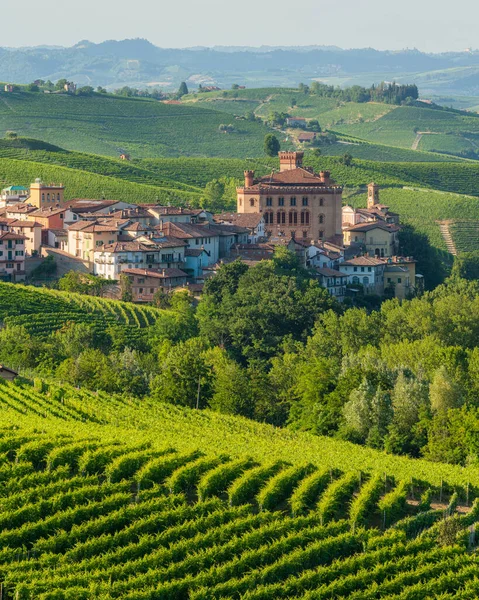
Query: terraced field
x=465, y=235
x=86, y=514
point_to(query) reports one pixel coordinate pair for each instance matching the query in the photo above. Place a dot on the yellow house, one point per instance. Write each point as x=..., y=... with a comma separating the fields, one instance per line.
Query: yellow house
x=45, y=195
x=400, y=276
x=377, y=238
x=85, y=237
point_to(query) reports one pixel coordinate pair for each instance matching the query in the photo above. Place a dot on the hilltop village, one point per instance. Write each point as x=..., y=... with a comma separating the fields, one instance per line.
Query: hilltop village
x=350, y=250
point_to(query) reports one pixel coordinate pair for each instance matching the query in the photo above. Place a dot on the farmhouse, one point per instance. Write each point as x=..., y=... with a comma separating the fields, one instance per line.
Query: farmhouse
x=295, y=203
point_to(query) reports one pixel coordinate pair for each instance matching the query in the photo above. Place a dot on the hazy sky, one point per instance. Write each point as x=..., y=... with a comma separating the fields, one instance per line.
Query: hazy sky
x=429, y=25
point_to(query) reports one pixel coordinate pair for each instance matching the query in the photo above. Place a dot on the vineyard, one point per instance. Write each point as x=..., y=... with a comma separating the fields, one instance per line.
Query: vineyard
x=110, y=125
x=182, y=516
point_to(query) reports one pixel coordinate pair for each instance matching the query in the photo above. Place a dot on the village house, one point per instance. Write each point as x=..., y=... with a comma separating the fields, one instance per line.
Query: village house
x=334, y=281
x=229, y=235
x=320, y=257
x=145, y=283
x=365, y=271
x=400, y=276
x=20, y=212
x=49, y=217
x=57, y=238
x=111, y=259
x=13, y=194
x=306, y=137
x=32, y=231
x=375, y=238
x=85, y=237
x=295, y=203
x=195, y=236
x=77, y=209
x=254, y=222
x=12, y=256
x=196, y=259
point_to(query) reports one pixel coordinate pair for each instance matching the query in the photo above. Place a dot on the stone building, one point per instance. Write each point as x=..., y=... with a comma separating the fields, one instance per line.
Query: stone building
x=296, y=202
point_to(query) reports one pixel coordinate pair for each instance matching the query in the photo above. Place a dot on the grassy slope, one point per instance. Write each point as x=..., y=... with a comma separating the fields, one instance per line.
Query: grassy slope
x=109, y=125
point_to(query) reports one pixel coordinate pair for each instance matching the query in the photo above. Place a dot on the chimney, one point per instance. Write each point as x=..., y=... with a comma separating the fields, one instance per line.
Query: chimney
x=290, y=160
x=324, y=176
x=248, y=178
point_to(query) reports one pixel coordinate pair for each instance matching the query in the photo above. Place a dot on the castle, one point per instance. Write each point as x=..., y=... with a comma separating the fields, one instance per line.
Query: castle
x=296, y=202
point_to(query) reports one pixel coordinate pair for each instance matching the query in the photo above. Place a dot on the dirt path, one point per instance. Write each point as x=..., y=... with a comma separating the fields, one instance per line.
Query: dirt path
x=416, y=141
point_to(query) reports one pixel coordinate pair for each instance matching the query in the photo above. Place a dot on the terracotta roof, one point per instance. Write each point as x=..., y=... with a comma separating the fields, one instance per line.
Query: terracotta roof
x=194, y=251
x=300, y=177
x=10, y=235
x=166, y=241
x=330, y=272
x=136, y=227
x=306, y=137
x=132, y=246
x=48, y=211
x=373, y=225
x=186, y=230
x=157, y=273
x=168, y=210
x=89, y=227
x=87, y=205
x=223, y=228
x=21, y=208
x=24, y=224
x=362, y=261
x=59, y=232
x=249, y=220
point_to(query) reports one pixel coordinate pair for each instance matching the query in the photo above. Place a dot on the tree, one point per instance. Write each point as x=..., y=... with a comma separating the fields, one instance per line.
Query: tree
x=314, y=125
x=271, y=145
x=444, y=393
x=74, y=338
x=11, y=135
x=126, y=288
x=466, y=266
x=60, y=84
x=32, y=87
x=86, y=90
x=184, y=378
x=213, y=195
x=294, y=102
x=347, y=159
x=182, y=90
x=230, y=385
x=429, y=262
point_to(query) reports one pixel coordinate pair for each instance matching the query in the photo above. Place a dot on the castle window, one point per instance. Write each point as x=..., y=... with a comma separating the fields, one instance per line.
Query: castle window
x=58, y=197
x=321, y=234
x=305, y=234
x=48, y=197
x=304, y=217
x=251, y=202
x=305, y=201
x=280, y=201
x=269, y=201
x=281, y=217
x=321, y=202
x=293, y=217
x=321, y=219
x=43, y=197
x=293, y=201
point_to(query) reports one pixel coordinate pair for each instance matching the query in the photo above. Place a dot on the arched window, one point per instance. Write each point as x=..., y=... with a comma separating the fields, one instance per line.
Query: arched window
x=365, y=280
x=321, y=219
x=293, y=217
x=382, y=252
x=280, y=217
x=321, y=234
x=43, y=197
x=48, y=197
x=251, y=202
x=321, y=202
x=355, y=280
x=58, y=197
x=283, y=217
x=268, y=217
x=304, y=217
x=377, y=252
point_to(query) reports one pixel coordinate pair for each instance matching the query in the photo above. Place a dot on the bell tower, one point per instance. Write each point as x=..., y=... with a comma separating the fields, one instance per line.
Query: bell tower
x=373, y=195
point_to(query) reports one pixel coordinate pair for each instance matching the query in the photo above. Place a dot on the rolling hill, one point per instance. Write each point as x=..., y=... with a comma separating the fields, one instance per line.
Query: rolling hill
x=110, y=125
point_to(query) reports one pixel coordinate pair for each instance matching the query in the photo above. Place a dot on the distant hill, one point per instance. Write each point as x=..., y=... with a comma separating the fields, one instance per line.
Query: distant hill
x=138, y=62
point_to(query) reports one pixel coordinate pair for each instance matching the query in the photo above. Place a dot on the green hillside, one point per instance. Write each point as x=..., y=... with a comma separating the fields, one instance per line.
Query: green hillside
x=110, y=125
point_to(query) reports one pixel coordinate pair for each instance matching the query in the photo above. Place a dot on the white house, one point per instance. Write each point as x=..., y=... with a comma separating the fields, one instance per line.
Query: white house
x=253, y=222
x=334, y=281
x=365, y=271
x=196, y=237
x=111, y=259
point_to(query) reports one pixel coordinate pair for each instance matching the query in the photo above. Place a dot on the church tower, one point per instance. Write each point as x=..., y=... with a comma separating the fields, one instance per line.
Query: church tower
x=373, y=195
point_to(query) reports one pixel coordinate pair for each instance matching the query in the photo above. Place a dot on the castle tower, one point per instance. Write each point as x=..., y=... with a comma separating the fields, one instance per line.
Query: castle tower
x=248, y=178
x=290, y=160
x=373, y=195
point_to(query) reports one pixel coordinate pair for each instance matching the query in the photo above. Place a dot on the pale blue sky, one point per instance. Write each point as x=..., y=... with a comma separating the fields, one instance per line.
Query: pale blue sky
x=429, y=25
